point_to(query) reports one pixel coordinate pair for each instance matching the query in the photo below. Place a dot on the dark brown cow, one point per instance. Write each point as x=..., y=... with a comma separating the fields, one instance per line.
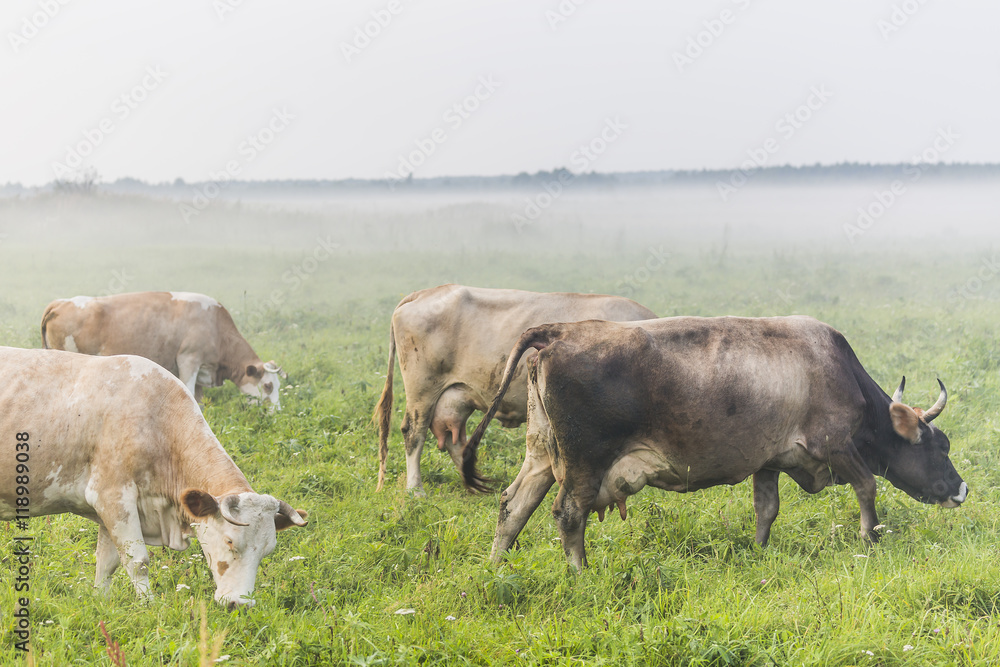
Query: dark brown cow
x=453, y=343
x=686, y=403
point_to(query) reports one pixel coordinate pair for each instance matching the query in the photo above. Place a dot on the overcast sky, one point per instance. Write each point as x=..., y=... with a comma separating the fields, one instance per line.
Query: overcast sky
x=275, y=90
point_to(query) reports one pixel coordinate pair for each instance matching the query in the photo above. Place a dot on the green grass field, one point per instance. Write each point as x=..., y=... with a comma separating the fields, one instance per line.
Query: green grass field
x=680, y=583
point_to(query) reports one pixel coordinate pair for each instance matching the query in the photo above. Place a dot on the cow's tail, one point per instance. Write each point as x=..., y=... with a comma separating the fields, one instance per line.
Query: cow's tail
x=383, y=411
x=50, y=312
x=538, y=338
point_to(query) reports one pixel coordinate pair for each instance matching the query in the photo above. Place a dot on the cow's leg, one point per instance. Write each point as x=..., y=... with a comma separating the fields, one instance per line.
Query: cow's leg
x=134, y=556
x=414, y=429
x=121, y=518
x=188, y=366
x=765, y=502
x=847, y=464
x=571, y=509
x=107, y=560
x=519, y=501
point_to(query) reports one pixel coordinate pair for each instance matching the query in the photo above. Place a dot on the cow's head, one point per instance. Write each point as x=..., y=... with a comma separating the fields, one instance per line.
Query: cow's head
x=917, y=461
x=236, y=532
x=263, y=381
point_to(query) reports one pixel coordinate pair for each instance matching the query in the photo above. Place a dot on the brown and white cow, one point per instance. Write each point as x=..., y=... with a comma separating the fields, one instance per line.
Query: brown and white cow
x=121, y=442
x=453, y=342
x=191, y=335
x=686, y=403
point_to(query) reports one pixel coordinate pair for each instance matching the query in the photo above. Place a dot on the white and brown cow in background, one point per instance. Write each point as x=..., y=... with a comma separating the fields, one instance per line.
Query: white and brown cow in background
x=121, y=442
x=453, y=343
x=191, y=335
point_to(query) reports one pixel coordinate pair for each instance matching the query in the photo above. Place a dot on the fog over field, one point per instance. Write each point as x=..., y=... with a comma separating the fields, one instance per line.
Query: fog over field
x=311, y=164
x=863, y=215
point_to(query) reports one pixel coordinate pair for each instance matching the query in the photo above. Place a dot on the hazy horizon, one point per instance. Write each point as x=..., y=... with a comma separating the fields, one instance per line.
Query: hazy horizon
x=381, y=87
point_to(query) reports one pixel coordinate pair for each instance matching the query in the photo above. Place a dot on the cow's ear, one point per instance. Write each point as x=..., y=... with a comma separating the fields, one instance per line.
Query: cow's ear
x=281, y=521
x=253, y=372
x=199, y=503
x=905, y=422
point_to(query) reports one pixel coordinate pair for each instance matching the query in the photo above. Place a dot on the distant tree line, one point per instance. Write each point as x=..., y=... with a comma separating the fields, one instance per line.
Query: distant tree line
x=89, y=183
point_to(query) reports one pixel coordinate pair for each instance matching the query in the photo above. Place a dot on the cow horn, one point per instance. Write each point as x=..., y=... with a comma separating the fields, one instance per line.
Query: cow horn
x=272, y=367
x=229, y=505
x=938, y=406
x=897, y=396
x=289, y=511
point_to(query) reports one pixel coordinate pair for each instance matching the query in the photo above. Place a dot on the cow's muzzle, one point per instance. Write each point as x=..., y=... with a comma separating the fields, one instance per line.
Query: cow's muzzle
x=238, y=604
x=955, y=501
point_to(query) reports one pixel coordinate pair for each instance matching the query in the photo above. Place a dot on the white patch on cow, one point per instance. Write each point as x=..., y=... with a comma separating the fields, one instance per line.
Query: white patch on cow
x=140, y=367
x=70, y=345
x=205, y=301
x=54, y=491
x=80, y=301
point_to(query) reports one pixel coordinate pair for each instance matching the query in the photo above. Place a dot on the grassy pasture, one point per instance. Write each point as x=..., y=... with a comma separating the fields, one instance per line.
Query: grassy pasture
x=680, y=583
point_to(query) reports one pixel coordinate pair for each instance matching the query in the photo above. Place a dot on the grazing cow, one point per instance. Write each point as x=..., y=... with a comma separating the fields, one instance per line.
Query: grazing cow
x=191, y=335
x=453, y=343
x=121, y=442
x=685, y=403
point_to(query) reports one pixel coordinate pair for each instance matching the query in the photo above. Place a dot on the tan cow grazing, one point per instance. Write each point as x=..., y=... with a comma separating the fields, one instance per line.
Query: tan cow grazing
x=121, y=442
x=453, y=343
x=191, y=335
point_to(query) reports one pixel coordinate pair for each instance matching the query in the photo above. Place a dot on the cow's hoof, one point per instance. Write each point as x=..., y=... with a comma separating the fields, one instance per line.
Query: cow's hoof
x=872, y=536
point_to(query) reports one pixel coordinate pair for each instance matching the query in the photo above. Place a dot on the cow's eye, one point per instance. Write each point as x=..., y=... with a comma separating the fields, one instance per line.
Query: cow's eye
x=268, y=388
x=229, y=543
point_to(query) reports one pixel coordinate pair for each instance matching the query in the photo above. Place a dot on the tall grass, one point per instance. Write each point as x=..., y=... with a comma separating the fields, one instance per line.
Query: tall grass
x=680, y=583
